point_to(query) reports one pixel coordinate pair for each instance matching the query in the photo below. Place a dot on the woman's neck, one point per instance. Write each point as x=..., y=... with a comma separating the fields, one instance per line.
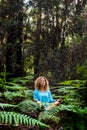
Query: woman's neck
x=42, y=89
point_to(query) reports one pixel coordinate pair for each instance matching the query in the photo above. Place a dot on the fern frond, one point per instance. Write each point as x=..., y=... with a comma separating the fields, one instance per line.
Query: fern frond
x=14, y=87
x=4, y=105
x=1, y=94
x=28, y=106
x=20, y=80
x=46, y=116
x=82, y=110
x=28, y=94
x=10, y=95
x=16, y=119
x=72, y=108
x=53, y=111
x=70, y=82
x=67, y=89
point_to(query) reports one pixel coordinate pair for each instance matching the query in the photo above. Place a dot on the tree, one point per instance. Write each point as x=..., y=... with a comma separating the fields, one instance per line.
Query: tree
x=14, y=63
x=54, y=22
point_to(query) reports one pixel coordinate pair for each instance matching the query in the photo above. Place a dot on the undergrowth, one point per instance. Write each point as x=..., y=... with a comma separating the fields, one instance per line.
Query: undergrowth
x=17, y=105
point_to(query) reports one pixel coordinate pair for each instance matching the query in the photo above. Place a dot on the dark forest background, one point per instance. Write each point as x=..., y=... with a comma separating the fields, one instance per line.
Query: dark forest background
x=44, y=38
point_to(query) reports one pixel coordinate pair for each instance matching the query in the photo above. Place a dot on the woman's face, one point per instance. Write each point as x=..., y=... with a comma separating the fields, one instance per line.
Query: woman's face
x=42, y=82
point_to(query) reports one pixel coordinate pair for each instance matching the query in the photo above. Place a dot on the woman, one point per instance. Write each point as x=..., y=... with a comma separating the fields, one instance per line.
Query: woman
x=42, y=94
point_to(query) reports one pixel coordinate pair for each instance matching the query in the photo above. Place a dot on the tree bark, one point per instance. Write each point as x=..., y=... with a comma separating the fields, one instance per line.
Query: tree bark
x=37, y=43
x=14, y=63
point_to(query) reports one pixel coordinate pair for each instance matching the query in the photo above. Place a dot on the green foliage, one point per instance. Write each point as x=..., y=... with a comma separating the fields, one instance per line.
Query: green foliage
x=74, y=104
x=5, y=105
x=74, y=121
x=16, y=90
x=72, y=112
x=73, y=93
x=10, y=95
x=81, y=71
x=48, y=117
x=73, y=82
x=21, y=80
x=15, y=119
x=51, y=115
x=3, y=76
x=2, y=79
x=14, y=87
x=28, y=106
x=28, y=94
x=52, y=16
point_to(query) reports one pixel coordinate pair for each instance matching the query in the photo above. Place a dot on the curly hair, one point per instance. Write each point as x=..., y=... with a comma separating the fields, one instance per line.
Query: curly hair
x=37, y=83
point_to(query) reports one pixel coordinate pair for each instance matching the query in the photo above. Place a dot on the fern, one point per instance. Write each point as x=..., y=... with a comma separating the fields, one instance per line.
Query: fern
x=73, y=82
x=28, y=94
x=79, y=119
x=16, y=119
x=1, y=94
x=82, y=111
x=22, y=80
x=4, y=105
x=28, y=106
x=47, y=117
x=50, y=115
x=53, y=110
x=10, y=95
x=70, y=91
x=14, y=87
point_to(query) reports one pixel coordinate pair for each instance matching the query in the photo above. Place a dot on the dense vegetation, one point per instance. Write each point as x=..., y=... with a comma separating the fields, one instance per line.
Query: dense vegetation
x=43, y=38
x=20, y=112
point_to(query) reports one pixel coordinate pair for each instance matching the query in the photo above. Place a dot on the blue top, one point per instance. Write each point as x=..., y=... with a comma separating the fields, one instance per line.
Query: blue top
x=44, y=97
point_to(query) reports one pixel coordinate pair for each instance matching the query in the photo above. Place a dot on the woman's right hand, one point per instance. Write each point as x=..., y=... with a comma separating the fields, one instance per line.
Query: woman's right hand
x=59, y=100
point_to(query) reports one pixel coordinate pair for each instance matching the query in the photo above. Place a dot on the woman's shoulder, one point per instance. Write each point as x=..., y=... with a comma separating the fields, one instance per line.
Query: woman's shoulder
x=48, y=90
x=36, y=91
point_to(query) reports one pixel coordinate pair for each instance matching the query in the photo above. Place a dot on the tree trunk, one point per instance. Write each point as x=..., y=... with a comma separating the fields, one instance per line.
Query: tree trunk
x=19, y=58
x=14, y=63
x=10, y=52
x=37, y=43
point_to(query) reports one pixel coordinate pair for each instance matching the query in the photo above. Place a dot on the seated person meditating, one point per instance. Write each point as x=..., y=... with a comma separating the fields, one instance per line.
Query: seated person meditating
x=42, y=94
